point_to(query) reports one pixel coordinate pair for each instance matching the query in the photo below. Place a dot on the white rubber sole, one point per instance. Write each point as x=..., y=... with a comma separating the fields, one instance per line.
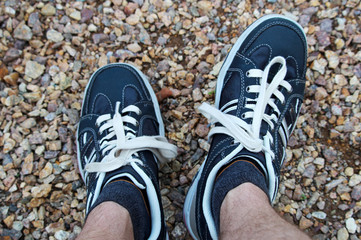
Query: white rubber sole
x=189, y=204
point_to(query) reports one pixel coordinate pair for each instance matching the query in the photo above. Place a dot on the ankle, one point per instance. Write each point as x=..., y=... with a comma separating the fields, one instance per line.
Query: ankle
x=112, y=220
x=245, y=194
x=126, y=194
x=250, y=201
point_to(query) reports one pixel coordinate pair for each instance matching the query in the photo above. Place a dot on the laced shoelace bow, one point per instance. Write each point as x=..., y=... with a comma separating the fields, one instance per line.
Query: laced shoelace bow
x=248, y=135
x=123, y=149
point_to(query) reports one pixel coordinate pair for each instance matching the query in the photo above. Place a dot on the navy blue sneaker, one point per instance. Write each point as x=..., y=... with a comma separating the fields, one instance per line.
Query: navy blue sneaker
x=121, y=135
x=259, y=94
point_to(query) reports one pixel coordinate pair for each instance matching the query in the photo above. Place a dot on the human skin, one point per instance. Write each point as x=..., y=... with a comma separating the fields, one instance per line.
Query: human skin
x=247, y=214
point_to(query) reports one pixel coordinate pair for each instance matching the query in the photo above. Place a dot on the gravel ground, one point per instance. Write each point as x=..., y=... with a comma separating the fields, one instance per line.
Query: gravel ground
x=49, y=49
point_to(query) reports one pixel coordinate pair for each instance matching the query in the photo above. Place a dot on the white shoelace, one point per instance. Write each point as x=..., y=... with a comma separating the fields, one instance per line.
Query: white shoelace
x=248, y=135
x=123, y=149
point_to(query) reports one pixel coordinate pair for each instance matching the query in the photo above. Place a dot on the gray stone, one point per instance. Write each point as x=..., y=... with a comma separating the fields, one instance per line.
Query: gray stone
x=179, y=231
x=309, y=171
x=341, y=188
x=48, y=10
x=197, y=95
x=197, y=155
x=18, y=225
x=23, y=32
x=33, y=19
x=356, y=193
x=12, y=54
x=28, y=123
x=163, y=66
x=336, y=110
x=100, y=38
x=73, y=115
x=86, y=15
x=313, y=199
x=333, y=184
x=323, y=38
x=326, y=25
x=203, y=67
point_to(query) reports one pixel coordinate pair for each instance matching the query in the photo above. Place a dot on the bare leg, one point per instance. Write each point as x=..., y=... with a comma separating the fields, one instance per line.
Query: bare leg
x=247, y=214
x=109, y=220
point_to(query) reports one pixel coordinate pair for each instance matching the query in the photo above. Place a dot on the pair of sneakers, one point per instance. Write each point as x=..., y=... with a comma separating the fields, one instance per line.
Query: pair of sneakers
x=258, y=98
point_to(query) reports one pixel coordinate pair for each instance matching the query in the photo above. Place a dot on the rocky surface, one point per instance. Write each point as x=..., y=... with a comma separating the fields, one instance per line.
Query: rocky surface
x=49, y=49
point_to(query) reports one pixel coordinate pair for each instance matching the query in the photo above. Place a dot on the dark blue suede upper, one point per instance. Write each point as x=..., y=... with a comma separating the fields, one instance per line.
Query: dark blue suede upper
x=117, y=83
x=273, y=37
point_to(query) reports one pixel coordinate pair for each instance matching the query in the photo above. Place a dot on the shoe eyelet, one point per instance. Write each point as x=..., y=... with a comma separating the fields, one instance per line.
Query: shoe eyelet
x=248, y=89
x=243, y=115
x=247, y=74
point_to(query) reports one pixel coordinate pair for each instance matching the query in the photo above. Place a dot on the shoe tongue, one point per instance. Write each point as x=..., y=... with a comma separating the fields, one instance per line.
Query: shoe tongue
x=261, y=56
x=150, y=168
x=131, y=96
x=123, y=172
x=220, y=143
x=248, y=155
x=292, y=71
x=149, y=127
x=102, y=105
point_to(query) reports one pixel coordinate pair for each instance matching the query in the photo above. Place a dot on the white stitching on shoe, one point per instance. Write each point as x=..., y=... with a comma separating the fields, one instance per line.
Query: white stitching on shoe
x=106, y=97
x=297, y=70
x=261, y=45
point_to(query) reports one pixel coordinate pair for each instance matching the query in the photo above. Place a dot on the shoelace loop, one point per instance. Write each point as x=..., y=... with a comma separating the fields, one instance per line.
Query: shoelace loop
x=248, y=135
x=124, y=148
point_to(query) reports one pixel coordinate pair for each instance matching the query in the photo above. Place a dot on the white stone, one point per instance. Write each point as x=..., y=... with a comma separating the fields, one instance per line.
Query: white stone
x=351, y=225
x=319, y=65
x=216, y=69
x=108, y=11
x=72, y=52
x=18, y=225
x=132, y=19
x=319, y=215
x=354, y=180
x=34, y=69
x=61, y=235
x=54, y=36
x=75, y=15
x=134, y=47
x=340, y=80
x=10, y=11
x=92, y=28
x=342, y=234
